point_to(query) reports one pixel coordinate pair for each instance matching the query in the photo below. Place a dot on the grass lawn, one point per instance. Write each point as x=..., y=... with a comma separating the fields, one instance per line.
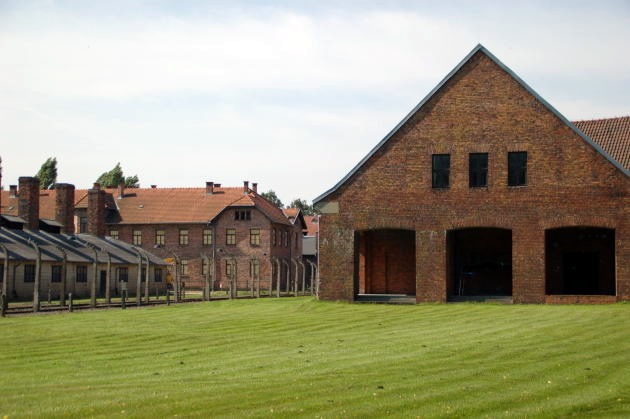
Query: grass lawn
x=300, y=357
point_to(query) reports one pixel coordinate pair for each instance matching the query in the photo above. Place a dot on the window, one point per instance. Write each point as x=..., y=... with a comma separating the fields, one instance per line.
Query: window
x=184, y=267
x=183, y=237
x=157, y=275
x=204, y=266
x=114, y=234
x=55, y=273
x=230, y=269
x=81, y=273
x=29, y=273
x=441, y=167
x=286, y=238
x=123, y=274
x=137, y=237
x=160, y=237
x=477, y=170
x=207, y=236
x=254, y=268
x=143, y=275
x=242, y=215
x=273, y=237
x=230, y=237
x=517, y=168
x=254, y=236
x=82, y=224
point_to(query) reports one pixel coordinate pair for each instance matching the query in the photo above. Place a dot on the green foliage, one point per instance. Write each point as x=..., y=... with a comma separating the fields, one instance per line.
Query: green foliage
x=271, y=196
x=300, y=357
x=304, y=206
x=47, y=174
x=115, y=177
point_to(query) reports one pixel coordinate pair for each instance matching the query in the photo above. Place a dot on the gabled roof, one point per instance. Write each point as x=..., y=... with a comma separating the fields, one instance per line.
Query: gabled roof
x=478, y=48
x=295, y=215
x=612, y=134
x=312, y=225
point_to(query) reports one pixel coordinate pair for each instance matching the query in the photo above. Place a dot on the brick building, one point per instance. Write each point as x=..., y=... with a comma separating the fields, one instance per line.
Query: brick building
x=234, y=229
x=483, y=189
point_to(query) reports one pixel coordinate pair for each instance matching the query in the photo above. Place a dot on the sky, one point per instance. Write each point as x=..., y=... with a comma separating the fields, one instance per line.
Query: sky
x=289, y=94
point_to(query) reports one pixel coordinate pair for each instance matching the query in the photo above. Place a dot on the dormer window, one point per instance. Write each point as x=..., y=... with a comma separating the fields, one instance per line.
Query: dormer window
x=242, y=215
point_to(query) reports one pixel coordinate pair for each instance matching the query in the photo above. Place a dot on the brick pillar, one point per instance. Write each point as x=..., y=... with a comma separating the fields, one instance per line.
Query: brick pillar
x=28, y=203
x=336, y=260
x=528, y=264
x=431, y=266
x=96, y=211
x=622, y=253
x=64, y=206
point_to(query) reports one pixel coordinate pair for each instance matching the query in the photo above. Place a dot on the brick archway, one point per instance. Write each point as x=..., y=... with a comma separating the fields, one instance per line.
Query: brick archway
x=386, y=261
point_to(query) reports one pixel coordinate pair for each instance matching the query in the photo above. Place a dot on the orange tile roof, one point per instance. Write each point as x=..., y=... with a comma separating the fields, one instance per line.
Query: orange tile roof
x=160, y=205
x=611, y=134
x=312, y=225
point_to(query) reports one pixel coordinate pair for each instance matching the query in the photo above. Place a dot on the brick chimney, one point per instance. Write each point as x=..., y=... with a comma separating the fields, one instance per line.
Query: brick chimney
x=96, y=211
x=245, y=187
x=28, y=204
x=209, y=188
x=255, y=187
x=121, y=190
x=13, y=191
x=64, y=206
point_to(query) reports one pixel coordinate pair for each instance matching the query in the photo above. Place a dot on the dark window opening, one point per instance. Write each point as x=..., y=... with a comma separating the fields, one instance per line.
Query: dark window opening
x=143, y=275
x=517, y=168
x=123, y=274
x=157, y=275
x=55, y=274
x=478, y=170
x=441, y=167
x=242, y=215
x=81, y=273
x=29, y=273
x=83, y=221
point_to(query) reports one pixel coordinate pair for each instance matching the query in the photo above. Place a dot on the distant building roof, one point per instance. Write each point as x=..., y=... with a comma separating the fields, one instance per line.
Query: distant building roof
x=612, y=134
x=312, y=225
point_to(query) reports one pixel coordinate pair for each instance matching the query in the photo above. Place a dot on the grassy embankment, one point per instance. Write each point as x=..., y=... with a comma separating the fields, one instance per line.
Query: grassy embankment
x=293, y=357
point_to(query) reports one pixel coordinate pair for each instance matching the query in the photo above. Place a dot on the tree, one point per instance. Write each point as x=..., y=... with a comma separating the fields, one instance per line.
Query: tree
x=47, y=174
x=115, y=177
x=270, y=195
x=303, y=206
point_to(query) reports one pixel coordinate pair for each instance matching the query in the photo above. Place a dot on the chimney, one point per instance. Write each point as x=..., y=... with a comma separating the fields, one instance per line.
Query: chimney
x=121, y=190
x=209, y=188
x=13, y=191
x=64, y=206
x=255, y=187
x=96, y=211
x=28, y=204
x=245, y=187
x=153, y=186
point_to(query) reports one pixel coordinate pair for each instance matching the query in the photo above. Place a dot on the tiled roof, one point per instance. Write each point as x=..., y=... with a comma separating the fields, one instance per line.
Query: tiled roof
x=612, y=134
x=159, y=205
x=312, y=225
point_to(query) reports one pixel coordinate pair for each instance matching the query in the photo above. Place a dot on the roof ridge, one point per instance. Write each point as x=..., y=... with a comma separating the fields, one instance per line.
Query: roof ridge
x=602, y=119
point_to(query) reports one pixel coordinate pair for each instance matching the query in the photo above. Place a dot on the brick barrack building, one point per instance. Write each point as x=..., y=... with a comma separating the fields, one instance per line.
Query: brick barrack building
x=483, y=189
x=234, y=229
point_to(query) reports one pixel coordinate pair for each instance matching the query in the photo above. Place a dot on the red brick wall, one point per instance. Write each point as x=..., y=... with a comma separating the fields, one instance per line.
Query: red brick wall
x=480, y=109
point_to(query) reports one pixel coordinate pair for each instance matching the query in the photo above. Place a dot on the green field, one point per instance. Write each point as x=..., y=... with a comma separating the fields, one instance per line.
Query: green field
x=300, y=357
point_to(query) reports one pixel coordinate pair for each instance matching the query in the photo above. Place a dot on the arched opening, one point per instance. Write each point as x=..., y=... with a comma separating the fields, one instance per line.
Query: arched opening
x=479, y=263
x=386, y=263
x=580, y=261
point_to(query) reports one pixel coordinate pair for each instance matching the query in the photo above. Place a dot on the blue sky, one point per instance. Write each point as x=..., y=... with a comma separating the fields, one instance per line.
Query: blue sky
x=287, y=94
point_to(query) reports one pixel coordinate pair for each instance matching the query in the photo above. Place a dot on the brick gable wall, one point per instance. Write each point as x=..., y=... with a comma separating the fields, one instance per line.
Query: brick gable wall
x=480, y=109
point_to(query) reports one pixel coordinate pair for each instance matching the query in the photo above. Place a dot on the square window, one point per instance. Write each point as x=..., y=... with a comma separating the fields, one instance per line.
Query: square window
x=441, y=167
x=114, y=234
x=478, y=170
x=517, y=168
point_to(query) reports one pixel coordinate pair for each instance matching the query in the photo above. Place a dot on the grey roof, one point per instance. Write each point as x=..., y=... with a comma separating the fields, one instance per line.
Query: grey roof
x=18, y=243
x=481, y=48
x=13, y=218
x=52, y=223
